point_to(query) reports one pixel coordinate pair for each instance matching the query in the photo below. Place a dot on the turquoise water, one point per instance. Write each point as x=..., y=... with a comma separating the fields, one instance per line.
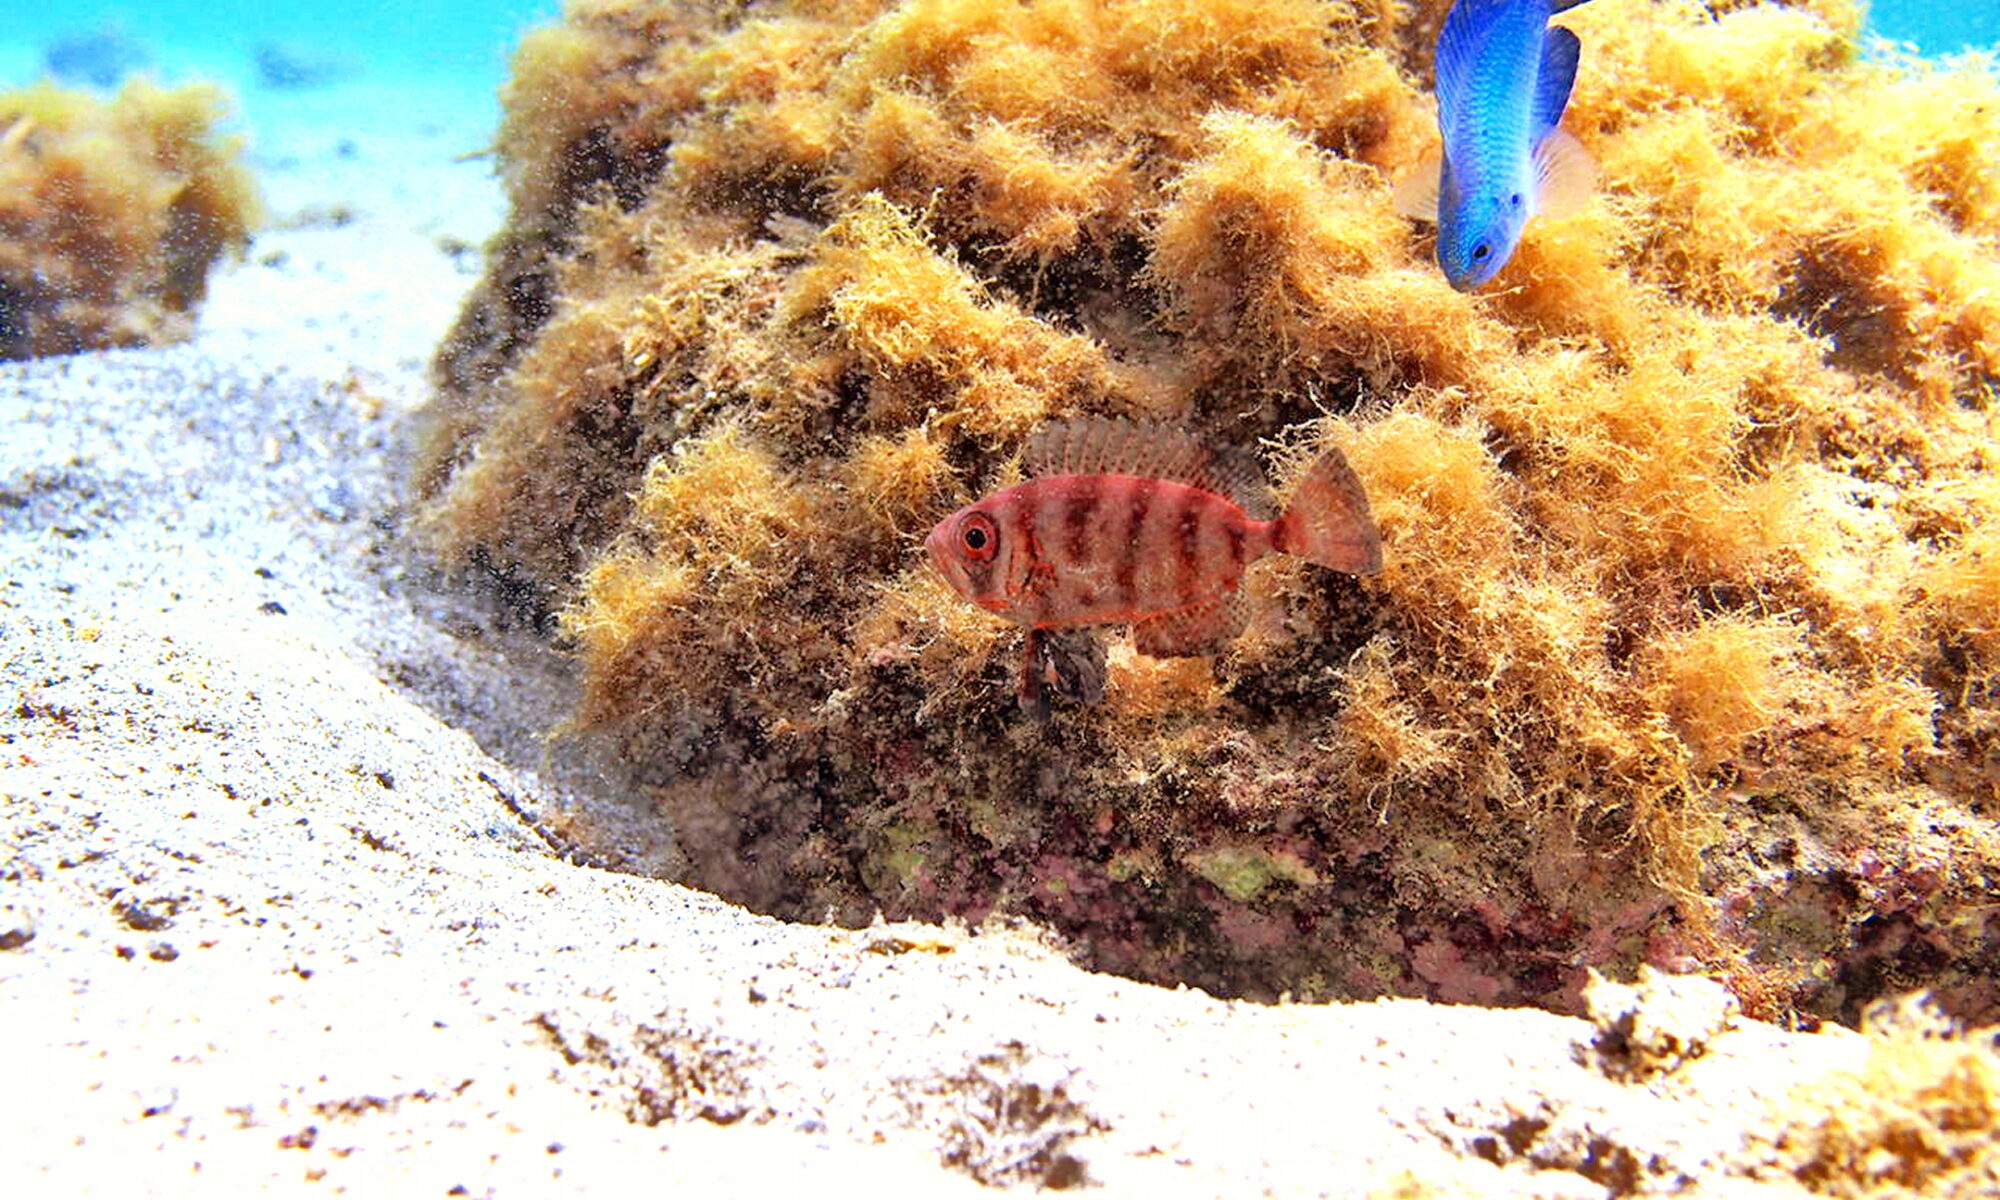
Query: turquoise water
x=347, y=79
x=253, y=42
x=1938, y=26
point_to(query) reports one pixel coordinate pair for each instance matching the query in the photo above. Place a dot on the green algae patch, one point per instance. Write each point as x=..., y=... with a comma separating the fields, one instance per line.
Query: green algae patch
x=112, y=212
x=1245, y=872
x=1683, y=651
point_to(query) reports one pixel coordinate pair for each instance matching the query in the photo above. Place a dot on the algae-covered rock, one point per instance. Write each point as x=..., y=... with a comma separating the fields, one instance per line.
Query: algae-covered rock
x=1915, y=1119
x=112, y=211
x=1654, y=1026
x=1684, y=651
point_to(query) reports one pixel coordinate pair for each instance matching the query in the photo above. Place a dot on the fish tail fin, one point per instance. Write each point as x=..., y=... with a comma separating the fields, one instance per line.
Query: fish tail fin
x=1328, y=521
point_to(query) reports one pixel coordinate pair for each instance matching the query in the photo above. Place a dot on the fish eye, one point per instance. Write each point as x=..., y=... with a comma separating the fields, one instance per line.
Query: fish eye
x=1481, y=252
x=979, y=536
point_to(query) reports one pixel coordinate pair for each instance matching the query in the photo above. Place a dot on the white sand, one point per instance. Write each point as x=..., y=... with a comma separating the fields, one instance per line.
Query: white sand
x=277, y=920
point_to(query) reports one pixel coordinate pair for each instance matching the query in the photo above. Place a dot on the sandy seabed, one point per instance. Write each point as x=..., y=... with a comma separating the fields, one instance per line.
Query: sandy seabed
x=281, y=906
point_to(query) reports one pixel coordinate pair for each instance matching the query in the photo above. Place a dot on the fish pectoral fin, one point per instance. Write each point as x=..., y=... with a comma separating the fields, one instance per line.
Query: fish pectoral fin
x=1565, y=175
x=1067, y=664
x=1198, y=629
x=1073, y=664
x=1416, y=194
x=1033, y=700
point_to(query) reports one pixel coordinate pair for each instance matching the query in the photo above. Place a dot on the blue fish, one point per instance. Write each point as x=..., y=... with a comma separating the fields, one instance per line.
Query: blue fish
x=1503, y=78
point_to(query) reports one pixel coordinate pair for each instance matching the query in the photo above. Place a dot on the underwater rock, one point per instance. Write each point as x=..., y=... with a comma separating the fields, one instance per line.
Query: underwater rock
x=1915, y=1118
x=1655, y=1025
x=1683, y=650
x=112, y=211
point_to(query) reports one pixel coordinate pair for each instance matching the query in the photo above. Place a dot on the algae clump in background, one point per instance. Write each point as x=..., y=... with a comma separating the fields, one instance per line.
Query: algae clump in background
x=1685, y=648
x=112, y=211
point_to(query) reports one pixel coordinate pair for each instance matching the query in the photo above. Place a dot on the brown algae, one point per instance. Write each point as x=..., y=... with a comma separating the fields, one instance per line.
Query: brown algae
x=112, y=211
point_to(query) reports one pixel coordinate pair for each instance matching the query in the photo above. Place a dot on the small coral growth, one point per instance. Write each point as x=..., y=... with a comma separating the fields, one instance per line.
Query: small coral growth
x=111, y=214
x=1684, y=649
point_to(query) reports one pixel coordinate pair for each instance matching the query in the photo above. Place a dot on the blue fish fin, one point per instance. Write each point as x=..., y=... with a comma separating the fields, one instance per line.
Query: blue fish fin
x=1416, y=193
x=1564, y=175
x=1459, y=47
x=1560, y=51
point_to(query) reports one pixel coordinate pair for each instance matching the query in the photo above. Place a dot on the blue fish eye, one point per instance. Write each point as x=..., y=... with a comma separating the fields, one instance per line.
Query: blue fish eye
x=1482, y=251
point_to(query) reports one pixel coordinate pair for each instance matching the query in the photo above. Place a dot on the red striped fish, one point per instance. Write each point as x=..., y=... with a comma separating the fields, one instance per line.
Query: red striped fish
x=1141, y=524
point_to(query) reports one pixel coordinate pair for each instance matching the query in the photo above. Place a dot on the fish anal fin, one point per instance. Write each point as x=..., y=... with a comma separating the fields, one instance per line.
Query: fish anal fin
x=1565, y=175
x=1561, y=51
x=1416, y=194
x=1115, y=446
x=1200, y=628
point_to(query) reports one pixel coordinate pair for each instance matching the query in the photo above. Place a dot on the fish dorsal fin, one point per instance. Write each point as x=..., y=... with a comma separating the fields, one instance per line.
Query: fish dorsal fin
x=1561, y=50
x=1416, y=194
x=1197, y=629
x=1115, y=446
x=1239, y=476
x=1564, y=175
x=1458, y=47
